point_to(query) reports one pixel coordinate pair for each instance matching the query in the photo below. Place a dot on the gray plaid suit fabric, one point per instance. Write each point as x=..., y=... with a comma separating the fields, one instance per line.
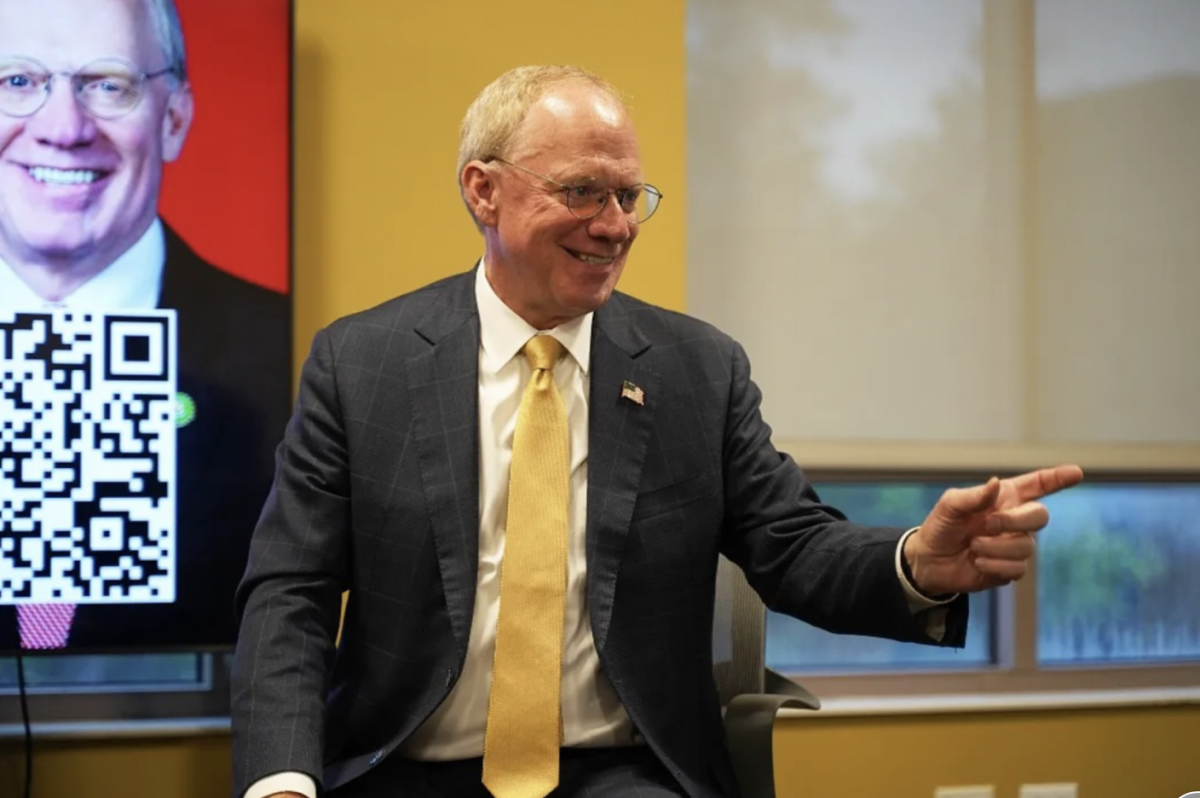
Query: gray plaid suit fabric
x=377, y=492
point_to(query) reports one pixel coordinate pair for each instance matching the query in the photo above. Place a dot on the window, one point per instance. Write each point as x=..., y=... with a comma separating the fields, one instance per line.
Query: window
x=796, y=647
x=1117, y=575
x=945, y=225
x=957, y=237
x=1115, y=583
x=112, y=671
x=179, y=691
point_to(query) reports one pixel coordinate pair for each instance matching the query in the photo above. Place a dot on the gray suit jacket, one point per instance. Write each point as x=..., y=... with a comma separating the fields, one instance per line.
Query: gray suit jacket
x=377, y=492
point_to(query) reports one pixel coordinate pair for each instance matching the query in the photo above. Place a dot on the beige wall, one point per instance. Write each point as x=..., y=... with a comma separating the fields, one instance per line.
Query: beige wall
x=379, y=93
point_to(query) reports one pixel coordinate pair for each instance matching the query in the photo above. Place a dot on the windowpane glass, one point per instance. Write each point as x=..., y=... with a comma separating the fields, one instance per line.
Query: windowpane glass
x=796, y=647
x=1117, y=575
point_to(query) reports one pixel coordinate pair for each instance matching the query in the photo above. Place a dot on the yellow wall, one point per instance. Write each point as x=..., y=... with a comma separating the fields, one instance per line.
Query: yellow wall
x=166, y=768
x=381, y=85
x=1112, y=753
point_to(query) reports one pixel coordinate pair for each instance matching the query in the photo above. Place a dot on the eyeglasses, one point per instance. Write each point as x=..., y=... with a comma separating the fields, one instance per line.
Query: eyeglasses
x=107, y=89
x=587, y=198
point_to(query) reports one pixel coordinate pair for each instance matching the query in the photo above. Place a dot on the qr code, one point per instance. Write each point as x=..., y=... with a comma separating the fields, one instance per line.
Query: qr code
x=87, y=457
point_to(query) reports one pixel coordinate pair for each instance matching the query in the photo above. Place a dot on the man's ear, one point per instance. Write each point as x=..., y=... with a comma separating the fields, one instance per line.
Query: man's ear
x=479, y=192
x=177, y=120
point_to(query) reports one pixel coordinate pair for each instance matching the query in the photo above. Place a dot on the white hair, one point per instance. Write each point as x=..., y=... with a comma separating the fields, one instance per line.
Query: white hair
x=490, y=125
x=168, y=32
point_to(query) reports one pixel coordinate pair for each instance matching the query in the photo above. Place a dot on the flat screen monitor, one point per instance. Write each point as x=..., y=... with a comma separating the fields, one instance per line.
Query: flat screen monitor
x=145, y=314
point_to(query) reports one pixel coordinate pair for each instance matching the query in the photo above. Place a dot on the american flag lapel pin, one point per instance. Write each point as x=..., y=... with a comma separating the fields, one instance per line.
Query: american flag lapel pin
x=633, y=393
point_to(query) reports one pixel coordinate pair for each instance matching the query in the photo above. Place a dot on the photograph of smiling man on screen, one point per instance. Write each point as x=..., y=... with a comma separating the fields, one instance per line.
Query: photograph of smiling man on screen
x=95, y=100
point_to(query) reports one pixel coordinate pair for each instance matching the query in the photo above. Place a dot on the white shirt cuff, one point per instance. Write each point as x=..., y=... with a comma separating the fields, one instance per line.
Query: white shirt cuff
x=283, y=782
x=935, y=621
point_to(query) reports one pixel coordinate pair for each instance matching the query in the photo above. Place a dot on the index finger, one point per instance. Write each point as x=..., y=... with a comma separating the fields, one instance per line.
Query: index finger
x=1036, y=484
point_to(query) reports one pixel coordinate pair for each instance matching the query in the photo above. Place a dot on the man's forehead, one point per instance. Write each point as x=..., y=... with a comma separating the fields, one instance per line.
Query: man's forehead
x=577, y=120
x=569, y=103
x=70, y=33
x=571, y=161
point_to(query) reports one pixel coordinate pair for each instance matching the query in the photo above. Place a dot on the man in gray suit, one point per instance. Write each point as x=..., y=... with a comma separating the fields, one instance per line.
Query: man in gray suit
x=393, y=484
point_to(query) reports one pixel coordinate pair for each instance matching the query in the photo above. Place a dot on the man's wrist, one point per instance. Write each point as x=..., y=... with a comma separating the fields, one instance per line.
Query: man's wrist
x=906, y=558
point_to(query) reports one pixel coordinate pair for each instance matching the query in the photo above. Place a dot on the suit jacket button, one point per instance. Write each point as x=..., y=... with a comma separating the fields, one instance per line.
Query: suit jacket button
x=375, y=757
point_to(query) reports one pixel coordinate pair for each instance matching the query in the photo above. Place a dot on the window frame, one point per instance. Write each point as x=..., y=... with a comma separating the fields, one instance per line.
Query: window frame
x=149, y=708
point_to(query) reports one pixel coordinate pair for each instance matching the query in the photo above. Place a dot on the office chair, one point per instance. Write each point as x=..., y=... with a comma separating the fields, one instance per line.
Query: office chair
x=751, y=693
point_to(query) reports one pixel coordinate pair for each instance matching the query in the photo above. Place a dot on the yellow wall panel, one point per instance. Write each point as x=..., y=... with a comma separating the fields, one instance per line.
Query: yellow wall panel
x=1110, y=753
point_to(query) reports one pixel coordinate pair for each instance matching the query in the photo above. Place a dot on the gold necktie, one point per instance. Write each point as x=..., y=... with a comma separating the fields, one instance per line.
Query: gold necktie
x=524, y=725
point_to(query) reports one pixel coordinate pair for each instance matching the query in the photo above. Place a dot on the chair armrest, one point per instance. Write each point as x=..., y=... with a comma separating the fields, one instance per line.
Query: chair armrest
x=749, y=724
x=776, y=684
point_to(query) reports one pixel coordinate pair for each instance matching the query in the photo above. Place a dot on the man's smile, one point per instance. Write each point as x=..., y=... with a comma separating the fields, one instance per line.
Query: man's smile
x=64, y=177
x=596, y=260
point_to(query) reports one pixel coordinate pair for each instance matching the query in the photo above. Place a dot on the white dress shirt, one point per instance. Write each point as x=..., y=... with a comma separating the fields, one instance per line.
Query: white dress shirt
x=592, y=715
x=132, y=282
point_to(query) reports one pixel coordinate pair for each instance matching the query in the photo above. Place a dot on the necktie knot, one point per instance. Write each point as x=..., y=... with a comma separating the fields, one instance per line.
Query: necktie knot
x=542, y=351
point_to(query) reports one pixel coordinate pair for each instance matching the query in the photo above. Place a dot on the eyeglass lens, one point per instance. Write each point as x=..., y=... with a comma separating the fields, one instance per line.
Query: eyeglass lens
x=106, y=88
x=588, y=199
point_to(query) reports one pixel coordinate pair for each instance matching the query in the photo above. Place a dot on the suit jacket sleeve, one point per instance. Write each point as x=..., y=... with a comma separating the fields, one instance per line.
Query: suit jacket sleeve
x=803, y=557
x=289, y=597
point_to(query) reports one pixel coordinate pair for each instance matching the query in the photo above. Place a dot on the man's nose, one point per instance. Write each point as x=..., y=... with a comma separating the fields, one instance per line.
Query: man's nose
x=611, y=223
x=62, y=121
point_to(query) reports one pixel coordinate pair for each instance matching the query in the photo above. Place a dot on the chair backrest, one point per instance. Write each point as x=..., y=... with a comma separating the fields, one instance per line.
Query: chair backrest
x=739, y=635
x=751, y=694
x=740, y=642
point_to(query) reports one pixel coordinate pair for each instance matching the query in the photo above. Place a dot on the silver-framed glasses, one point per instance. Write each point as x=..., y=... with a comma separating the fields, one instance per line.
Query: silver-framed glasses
x=586, y=198
x=107, y=88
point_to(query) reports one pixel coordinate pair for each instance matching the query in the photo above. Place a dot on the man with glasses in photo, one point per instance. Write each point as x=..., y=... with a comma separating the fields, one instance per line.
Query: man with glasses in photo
x=524, y=479
x=94, y=102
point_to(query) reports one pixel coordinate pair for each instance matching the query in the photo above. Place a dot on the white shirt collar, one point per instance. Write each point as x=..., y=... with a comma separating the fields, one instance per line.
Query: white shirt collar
x=133, y=281
x=502, y=332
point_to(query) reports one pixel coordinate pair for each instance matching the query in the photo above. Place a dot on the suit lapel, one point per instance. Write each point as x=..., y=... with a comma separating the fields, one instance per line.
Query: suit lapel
x=444, y=391
x=618, y=432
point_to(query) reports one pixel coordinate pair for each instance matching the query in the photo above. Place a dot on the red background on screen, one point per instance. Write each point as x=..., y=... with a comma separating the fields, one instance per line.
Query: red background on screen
x=228, y=193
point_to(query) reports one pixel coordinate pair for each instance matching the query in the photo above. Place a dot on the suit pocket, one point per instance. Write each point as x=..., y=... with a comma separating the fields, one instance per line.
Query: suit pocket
x=674, y=496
